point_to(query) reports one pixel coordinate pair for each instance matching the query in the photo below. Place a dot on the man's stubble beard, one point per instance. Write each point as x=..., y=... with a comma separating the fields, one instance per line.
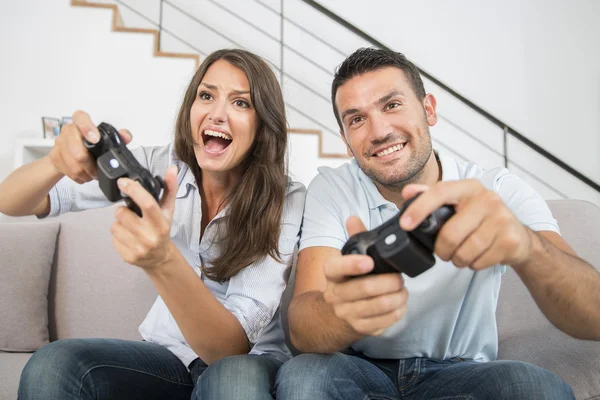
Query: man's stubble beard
x=415, y=169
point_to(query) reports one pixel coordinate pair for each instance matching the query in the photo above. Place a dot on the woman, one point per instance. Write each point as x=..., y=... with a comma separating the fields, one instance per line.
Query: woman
x=228, y=211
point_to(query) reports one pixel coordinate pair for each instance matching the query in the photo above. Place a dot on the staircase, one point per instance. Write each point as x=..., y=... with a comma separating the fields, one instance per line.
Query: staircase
x=286, y=33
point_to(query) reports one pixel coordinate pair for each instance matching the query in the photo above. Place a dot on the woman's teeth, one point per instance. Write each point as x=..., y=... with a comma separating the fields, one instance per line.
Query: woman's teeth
x=208, y=132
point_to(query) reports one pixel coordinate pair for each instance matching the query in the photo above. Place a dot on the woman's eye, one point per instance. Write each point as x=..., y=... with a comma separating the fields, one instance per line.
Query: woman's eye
x=242, y=103
x=205, y=96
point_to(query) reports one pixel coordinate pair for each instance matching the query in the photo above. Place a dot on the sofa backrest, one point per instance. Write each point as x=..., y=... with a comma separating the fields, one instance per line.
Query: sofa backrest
x=517, y=313
x=93, y=292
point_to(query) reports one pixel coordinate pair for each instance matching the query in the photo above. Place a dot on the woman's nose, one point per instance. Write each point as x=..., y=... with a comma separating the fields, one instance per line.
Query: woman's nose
x=218, y=112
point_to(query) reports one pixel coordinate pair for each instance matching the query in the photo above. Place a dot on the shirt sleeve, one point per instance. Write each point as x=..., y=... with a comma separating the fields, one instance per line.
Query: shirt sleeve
x=67, y=195
x=254, y=294
x=323, y=223
x=525, y=202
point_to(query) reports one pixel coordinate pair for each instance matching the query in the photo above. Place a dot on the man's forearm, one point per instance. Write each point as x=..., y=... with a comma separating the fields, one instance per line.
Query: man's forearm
x=315, y=328
x=565, y=287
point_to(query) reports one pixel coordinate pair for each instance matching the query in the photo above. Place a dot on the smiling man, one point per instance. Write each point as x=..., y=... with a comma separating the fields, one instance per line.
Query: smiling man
x=434, y=336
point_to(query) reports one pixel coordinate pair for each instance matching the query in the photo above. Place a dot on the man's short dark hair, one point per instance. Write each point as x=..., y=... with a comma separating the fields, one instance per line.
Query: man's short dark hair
x=367, y=59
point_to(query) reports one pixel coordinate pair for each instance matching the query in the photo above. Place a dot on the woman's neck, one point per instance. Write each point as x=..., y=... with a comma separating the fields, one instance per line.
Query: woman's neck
x=214, y=187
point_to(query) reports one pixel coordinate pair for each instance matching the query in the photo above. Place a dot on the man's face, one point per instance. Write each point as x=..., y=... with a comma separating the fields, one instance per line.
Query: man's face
x=385, y=126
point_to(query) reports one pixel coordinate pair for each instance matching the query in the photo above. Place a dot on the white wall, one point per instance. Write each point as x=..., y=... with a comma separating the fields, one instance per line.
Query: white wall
x=534, y=64
x=55, y=59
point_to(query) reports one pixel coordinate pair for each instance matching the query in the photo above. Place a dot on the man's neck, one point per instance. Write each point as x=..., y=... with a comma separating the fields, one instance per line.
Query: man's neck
x=432, y=173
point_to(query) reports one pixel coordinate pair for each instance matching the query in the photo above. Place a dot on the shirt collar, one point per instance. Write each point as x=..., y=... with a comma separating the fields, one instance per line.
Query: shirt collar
x=185, y=177
x=449, y=167
x=374, y=198
x=186, y=181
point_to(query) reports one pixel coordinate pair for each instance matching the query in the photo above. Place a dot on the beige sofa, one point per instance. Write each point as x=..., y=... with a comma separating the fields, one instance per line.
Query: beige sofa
x=91, y=292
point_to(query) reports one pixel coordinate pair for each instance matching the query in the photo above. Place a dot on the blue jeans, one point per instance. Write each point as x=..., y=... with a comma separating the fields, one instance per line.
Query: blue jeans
x=347, y=377
x=122, y=369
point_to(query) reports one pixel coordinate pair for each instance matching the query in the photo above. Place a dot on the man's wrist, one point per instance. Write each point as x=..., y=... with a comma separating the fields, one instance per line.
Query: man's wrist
x=536, y=249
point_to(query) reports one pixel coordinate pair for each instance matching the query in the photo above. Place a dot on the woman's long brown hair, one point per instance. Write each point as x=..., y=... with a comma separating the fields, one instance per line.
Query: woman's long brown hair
x=256, y=203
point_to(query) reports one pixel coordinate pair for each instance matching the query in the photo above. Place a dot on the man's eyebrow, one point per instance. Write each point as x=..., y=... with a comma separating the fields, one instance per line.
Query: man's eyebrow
x=383, y=99
x=389, y=96
x=213, y=87
x=348, y=112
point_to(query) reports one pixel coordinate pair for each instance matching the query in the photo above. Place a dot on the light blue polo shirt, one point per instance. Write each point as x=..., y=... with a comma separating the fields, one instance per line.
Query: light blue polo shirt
x=451, y=311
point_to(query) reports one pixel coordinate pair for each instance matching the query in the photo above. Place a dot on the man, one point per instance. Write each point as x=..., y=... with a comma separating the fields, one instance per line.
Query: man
x=435, y=335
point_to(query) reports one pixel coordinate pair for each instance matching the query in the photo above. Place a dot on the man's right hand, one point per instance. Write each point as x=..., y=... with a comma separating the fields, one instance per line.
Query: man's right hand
x=70, y=157
x=368, y=304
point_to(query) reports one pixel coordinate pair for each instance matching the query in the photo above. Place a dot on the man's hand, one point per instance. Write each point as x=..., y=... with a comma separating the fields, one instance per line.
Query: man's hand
x=368, y=304
x=146, y=241
x=482, y=233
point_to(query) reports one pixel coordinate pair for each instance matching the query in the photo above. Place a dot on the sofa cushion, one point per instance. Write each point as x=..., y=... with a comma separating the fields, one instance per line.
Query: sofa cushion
x=94, y=293
x=524, y=332
x=27, y=252
x=11, y=366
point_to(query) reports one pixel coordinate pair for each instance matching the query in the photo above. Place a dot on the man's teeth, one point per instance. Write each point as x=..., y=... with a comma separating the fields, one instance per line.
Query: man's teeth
x=208, y=132
x=390, y=150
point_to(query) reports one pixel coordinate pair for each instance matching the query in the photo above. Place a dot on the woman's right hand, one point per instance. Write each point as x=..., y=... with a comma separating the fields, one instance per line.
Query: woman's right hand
x=70, y=157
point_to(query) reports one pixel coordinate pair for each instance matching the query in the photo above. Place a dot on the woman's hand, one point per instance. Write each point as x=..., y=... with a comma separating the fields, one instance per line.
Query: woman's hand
x=146, y=241
x=70, y=157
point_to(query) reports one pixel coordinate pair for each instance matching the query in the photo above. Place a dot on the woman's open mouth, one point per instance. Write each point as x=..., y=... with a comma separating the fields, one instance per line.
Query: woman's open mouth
x=215, y=142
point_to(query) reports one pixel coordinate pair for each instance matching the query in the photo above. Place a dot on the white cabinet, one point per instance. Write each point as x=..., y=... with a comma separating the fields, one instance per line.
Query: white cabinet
x=31, y=149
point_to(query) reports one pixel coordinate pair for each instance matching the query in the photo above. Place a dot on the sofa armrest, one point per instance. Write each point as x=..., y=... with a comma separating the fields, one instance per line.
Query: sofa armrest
x=575, y=361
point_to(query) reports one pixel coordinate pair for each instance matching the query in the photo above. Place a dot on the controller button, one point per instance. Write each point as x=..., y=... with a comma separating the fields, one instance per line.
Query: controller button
x=390, y=239
x=114, y=163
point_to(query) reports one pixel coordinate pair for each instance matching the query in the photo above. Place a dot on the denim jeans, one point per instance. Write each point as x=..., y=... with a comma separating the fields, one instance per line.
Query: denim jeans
x=347, y=377
x=123, y=369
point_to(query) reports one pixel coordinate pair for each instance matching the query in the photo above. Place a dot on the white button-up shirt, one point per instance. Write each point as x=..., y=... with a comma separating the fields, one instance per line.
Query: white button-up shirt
x=253, y=295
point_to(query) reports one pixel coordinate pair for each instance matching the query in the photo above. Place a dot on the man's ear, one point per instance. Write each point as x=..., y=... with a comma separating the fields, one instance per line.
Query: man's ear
x=348, y=149
x=430, y=104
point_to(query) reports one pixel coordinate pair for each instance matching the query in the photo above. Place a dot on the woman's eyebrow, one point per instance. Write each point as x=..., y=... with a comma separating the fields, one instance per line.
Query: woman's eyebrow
x=214, y=87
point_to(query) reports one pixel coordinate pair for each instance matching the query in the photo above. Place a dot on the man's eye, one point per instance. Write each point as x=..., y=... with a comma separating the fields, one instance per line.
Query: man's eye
x=205, y=96
x=242, y=103
x=355, y=120
x=393, y=104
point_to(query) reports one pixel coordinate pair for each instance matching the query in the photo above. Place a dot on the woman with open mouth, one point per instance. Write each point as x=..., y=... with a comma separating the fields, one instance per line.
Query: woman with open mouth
x=217, y=246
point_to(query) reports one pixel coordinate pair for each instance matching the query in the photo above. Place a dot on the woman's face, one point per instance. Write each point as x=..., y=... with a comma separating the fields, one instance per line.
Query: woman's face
x=223, y=119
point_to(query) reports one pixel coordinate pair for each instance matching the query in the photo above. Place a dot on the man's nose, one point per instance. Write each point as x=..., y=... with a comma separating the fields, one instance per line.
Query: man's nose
x=379, y=127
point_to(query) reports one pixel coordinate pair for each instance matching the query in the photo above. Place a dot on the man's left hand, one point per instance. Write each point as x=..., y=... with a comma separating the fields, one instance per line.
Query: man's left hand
x=482, y=233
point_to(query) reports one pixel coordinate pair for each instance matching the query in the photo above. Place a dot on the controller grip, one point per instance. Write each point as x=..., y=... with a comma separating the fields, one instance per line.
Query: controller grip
x=95, y=149
x=153, y=185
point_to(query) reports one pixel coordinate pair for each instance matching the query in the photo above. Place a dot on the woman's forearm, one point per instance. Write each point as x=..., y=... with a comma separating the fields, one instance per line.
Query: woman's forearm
x=25, y=190
x=211, y=330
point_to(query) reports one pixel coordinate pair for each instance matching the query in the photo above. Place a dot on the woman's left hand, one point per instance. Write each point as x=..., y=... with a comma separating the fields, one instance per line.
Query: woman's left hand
x=145, y=241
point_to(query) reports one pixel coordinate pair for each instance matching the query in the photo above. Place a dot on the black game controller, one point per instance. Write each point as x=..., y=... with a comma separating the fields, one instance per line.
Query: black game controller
x=395, y=250
x=114, y=161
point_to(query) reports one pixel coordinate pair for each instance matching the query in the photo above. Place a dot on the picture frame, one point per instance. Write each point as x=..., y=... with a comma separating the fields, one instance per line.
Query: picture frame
x=65, y=120
x=51, y=127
